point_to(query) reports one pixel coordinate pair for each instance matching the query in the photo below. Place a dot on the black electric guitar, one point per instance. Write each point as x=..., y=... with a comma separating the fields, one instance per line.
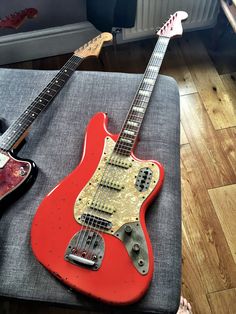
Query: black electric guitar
x=17, y=174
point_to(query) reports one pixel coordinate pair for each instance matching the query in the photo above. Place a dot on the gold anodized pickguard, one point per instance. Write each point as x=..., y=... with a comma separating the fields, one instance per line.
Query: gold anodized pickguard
x=126, y=203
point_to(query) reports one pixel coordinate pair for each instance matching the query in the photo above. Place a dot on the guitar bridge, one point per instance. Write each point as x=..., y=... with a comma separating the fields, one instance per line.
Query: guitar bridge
x=85, y=249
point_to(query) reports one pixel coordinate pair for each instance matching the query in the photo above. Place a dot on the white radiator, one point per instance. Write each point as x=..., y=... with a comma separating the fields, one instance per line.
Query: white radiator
x=151, y=14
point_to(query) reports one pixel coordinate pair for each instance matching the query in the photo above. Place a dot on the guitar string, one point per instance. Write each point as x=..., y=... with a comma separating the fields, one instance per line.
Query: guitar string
x=154, y=62
x=20, y=121
x=130, y=115
x=98, y=225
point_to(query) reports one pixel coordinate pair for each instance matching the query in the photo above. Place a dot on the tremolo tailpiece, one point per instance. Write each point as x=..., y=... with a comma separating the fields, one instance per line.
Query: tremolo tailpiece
x=86, y=248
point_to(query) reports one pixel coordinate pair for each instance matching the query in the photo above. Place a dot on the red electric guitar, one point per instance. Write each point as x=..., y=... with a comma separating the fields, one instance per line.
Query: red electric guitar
x=16, y=19
x=16, y=174
x=90, y=230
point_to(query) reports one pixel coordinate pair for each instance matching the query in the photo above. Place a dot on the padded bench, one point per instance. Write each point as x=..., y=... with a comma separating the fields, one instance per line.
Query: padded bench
x=55, y=144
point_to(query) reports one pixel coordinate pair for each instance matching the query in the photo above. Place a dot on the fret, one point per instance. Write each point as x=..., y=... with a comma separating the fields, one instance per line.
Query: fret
x=158, y=55
x=140, y=100
x=132, y=123
x=40, y=101
x=123, y=147
x=144, y=93
x=63, y=77
x=138, y=109
x=127, y=137
x=125, y=140
x=148, y=88
x=123, y=152
x=56, y=86
x=153, y=68
x=46, y=96
x=134, y=116
x=149, y=81
x=58, y=80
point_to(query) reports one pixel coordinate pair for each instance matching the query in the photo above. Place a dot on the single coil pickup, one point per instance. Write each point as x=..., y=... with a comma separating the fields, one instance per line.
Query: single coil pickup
x=96, y=222
x=102, y=207
x=111, y=184
x=115, y=161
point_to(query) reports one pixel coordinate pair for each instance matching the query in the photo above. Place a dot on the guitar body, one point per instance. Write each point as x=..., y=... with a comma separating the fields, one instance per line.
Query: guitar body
x=16, y=175
x=16, y=19
x=99, y=244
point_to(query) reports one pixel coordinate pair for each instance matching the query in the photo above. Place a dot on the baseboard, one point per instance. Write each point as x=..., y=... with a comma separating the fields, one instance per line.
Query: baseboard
x=45, y=42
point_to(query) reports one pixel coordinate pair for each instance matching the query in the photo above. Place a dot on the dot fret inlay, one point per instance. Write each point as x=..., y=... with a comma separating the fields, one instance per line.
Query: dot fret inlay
x=149, y=81
x=129, y=132
x=153, y=68
x=139, y=109
x=132, y=123
x=144, y=93
x=125, y=140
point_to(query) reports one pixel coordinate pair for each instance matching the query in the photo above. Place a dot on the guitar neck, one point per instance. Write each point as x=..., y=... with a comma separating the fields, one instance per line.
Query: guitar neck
x=137, y=111
x=18, y=128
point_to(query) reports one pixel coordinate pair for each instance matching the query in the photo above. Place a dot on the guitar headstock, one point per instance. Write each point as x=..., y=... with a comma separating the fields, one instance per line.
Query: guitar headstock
x=16, y=19
x=93, y=47
x=173, y=27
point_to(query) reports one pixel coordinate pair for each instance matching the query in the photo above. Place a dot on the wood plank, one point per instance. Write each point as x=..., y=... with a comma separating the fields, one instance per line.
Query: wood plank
x=218, y=103
x=210, y=155
x=224, y=202
x=174, y=65
x=227, y=138
x=204, y=243
x=229, y=81
x=183, y=136
x=192, y=285
x=223, y=302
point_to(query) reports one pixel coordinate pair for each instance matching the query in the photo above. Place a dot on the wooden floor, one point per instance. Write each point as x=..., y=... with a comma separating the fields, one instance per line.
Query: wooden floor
x=208, y=163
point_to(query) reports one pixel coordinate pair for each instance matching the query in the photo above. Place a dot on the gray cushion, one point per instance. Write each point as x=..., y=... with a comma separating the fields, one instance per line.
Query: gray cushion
x=55, y=144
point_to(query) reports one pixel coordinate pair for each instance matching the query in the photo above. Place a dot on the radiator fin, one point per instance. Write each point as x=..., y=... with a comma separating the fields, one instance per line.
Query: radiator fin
x=151, y=14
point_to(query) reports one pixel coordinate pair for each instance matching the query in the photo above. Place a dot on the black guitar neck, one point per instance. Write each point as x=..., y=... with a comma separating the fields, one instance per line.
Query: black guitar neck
x=23, y=122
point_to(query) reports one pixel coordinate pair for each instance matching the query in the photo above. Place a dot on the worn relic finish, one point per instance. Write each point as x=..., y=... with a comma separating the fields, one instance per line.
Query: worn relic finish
x=118, y=279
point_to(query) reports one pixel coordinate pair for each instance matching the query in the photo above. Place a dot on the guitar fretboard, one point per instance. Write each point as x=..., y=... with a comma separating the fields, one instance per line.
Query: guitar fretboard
x=131, y=127
x=18, y=128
